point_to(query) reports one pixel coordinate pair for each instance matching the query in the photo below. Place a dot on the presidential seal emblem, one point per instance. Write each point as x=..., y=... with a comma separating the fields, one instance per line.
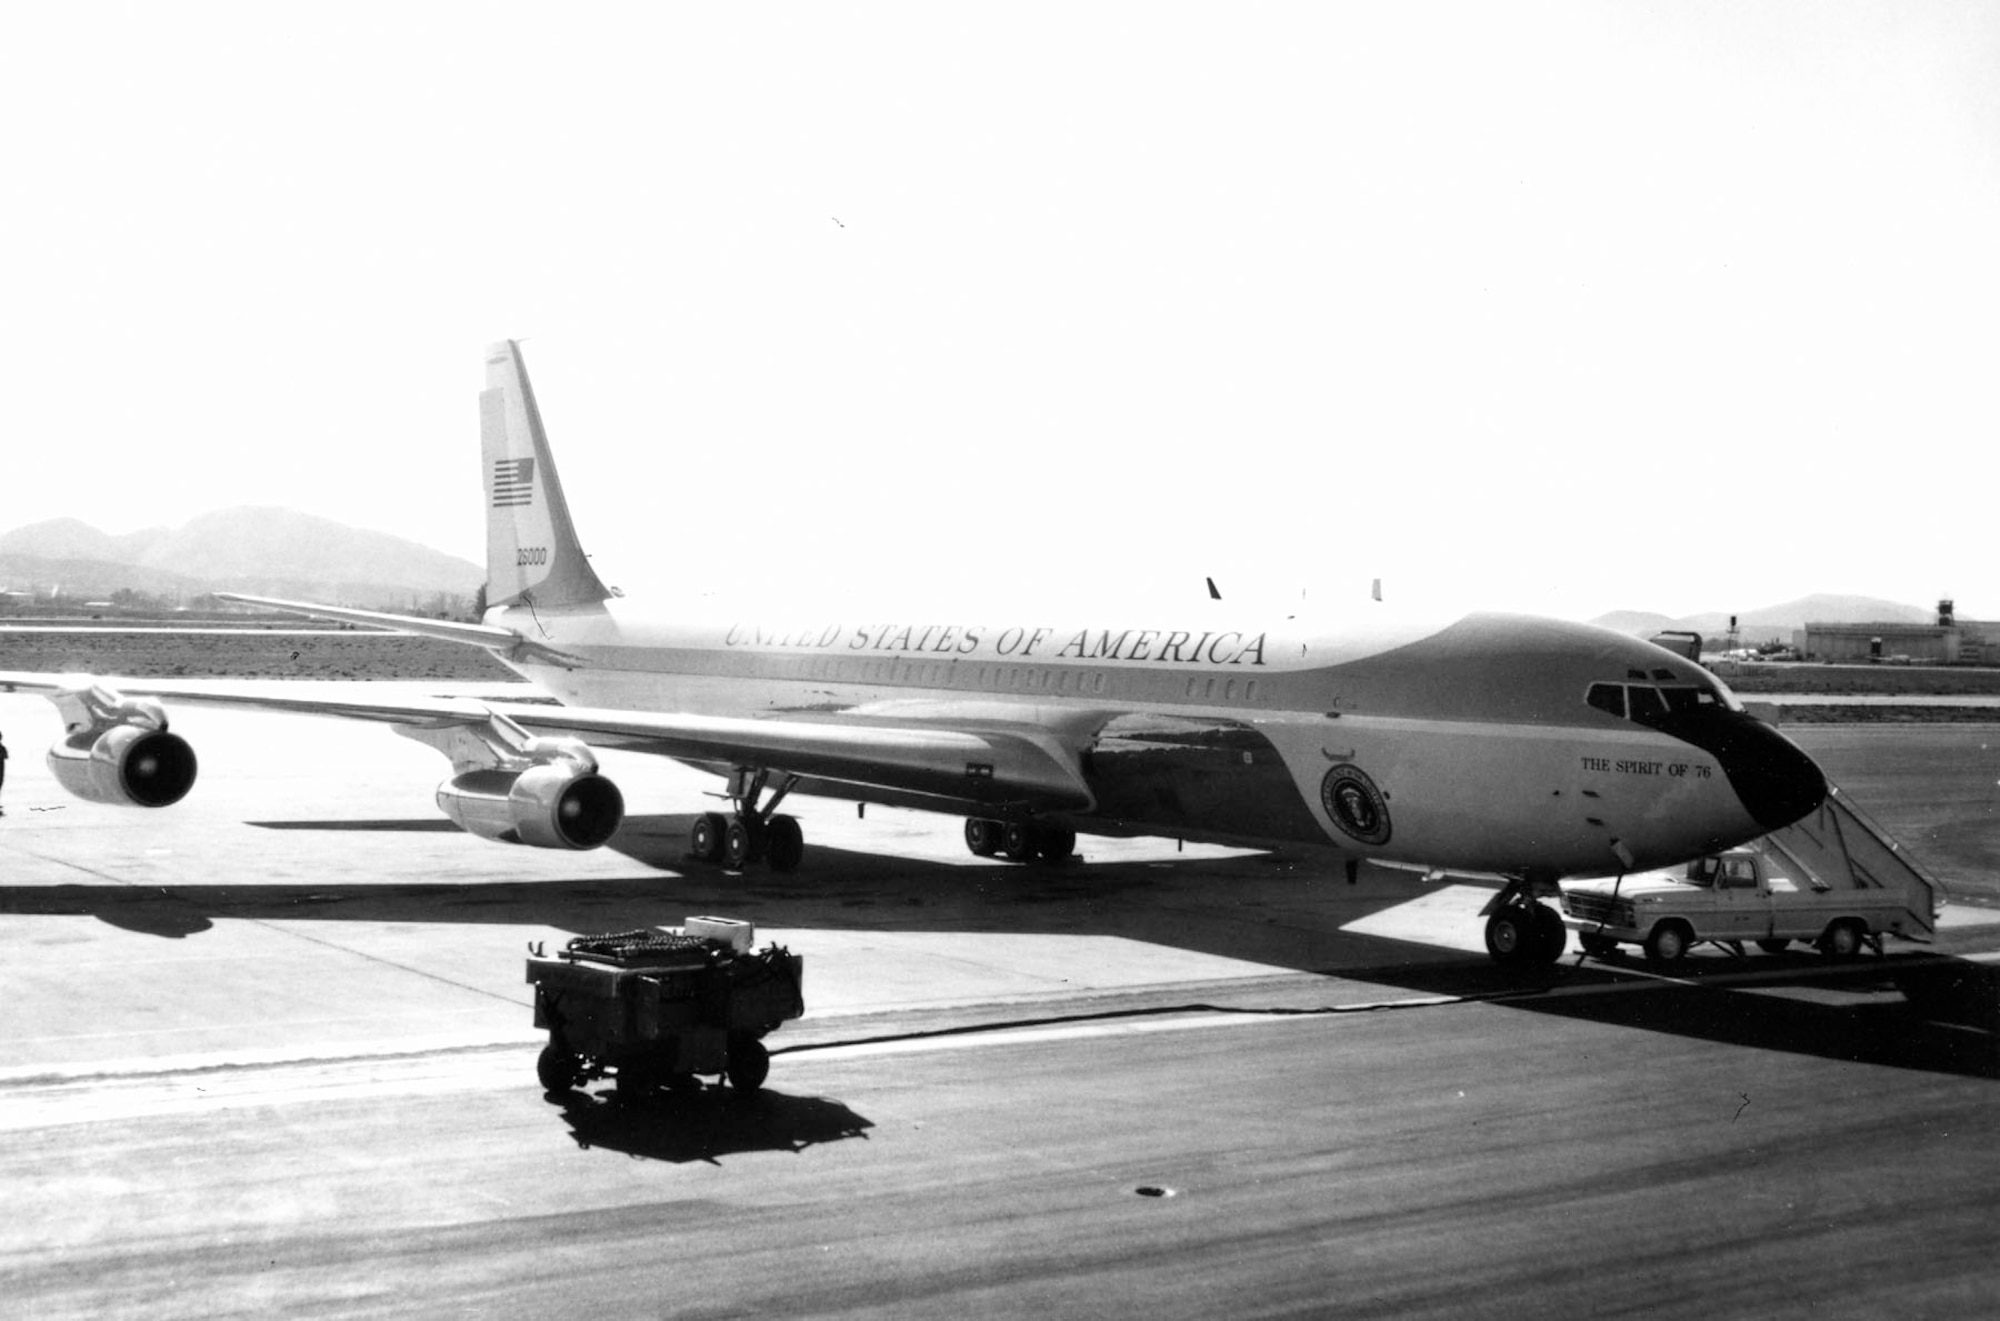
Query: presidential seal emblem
x=1355, y=805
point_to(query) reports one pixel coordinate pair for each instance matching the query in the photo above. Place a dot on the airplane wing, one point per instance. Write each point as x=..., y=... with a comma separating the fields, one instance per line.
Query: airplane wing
x=991, y=768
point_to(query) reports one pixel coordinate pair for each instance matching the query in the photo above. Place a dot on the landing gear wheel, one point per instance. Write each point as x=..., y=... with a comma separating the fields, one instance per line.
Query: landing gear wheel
x=1668, y=943
x=1550, y=934
x=1017, y=841
x=1841, y=941
x=1597, y=945
x=705, y=836
x=1510, y=934
x=557, y=1069
x=739, y=843
x=1775, y=945
x=1056, y=842
x=784, y=843
x=982, y=837
x=749, y=1063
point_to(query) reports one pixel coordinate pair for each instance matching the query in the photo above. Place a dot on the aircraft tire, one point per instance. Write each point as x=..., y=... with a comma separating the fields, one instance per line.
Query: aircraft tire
x=1510, y=934
x=739, y=843
x=784, y=843
x=1055, y=843
x=1018, y=841
x=1551, y=936
x=1597, y=945
x=1774, y=945
x=982, y=837
x=705, y=836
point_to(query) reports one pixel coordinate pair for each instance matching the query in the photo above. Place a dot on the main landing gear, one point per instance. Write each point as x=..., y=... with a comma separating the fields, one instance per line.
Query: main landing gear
x=750, y=833
x=1521, y=930
x=1020, y=841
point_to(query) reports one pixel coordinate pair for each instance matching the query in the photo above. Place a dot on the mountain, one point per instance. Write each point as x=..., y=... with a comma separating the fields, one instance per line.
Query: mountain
x=74, y=539
x=1774, y=621
x=262, y=550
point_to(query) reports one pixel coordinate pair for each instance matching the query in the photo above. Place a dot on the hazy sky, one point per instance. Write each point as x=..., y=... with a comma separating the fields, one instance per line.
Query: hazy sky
x=1560, y=307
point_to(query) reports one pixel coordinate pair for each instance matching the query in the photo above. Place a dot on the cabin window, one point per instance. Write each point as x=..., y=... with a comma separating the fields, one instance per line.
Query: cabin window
x=1608, y=697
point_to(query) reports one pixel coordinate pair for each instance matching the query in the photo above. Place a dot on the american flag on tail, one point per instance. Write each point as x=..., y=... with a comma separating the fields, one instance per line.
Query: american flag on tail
x=513, y=482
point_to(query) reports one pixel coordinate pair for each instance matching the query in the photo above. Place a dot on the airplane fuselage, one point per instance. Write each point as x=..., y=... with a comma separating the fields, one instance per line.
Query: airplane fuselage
x=1471, y=745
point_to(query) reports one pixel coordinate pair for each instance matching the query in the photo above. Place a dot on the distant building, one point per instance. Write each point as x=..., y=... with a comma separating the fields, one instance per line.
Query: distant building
x=1950, y=641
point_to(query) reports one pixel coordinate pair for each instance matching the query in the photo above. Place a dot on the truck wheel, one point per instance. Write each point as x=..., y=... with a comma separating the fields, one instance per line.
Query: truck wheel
x=1775, y=945
x=556, y=1068
x=1841, y=941
x=1668, y=942
x=749, y=1063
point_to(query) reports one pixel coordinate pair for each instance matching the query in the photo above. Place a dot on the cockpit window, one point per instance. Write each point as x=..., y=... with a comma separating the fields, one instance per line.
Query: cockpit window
x=1646, y=704
x=1650, y=705
x=1686, y=701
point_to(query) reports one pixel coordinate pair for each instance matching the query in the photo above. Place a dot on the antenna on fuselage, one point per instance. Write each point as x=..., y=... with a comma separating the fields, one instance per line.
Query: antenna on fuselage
x=1214, y=592
x=1376, y=591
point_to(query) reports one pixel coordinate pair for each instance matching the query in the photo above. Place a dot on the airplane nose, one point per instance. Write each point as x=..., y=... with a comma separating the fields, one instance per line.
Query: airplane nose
x=1776, y=780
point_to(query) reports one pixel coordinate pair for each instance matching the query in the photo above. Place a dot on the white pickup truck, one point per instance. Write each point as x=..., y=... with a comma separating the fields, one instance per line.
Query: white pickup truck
x=1747, y=895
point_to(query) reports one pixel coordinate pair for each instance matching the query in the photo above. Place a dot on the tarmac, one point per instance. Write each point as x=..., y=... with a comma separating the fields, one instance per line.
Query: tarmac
x=271, y=1051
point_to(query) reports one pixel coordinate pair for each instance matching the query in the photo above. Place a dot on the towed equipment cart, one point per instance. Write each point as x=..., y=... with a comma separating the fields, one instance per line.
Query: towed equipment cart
x=654, y=1008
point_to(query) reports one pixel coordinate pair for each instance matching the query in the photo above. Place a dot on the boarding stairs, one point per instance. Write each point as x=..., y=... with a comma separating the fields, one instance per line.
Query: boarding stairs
x=1840, y=847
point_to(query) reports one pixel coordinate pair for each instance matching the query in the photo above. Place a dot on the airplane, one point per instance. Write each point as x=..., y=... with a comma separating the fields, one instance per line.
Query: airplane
x=1493, y=744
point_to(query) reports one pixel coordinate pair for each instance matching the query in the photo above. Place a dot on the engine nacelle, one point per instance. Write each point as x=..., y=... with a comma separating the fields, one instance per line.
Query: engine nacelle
x=556, y=805
x=137, y=764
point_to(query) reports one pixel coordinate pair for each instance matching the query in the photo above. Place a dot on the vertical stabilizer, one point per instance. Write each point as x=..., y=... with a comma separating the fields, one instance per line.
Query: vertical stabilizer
x=532, y=555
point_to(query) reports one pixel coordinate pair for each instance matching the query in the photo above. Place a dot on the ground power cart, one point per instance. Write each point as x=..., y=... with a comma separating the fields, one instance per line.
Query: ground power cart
x=659, y=1009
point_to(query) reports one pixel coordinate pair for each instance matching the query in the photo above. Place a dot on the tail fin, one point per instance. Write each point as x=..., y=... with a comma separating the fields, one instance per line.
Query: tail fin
x=532, y=554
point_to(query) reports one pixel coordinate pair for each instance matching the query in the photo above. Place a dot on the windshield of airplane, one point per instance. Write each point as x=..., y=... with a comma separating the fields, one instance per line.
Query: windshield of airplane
x=1650, y=704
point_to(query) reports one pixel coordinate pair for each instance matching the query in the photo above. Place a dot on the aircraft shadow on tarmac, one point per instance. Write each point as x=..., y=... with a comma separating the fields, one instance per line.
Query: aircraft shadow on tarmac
x=1287, y=912
x=705, y=1124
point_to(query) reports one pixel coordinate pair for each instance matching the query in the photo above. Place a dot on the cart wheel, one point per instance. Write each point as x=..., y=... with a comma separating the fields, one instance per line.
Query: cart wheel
x=635, y=1080
x=749, y=1063
x=556, y=1068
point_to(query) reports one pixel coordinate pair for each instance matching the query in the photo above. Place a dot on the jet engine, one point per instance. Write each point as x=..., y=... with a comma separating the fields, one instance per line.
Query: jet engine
x=559, y=802
x=119, y=751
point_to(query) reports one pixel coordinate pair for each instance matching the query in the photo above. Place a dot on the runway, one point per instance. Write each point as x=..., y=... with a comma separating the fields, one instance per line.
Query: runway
x=270, y=1052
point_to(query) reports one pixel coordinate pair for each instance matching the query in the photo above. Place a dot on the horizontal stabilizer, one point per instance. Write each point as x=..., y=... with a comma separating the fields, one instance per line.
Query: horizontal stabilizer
x=477, y=635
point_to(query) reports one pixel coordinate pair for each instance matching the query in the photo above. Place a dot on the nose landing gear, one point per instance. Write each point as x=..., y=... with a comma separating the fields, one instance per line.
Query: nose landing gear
x=1521, y=930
